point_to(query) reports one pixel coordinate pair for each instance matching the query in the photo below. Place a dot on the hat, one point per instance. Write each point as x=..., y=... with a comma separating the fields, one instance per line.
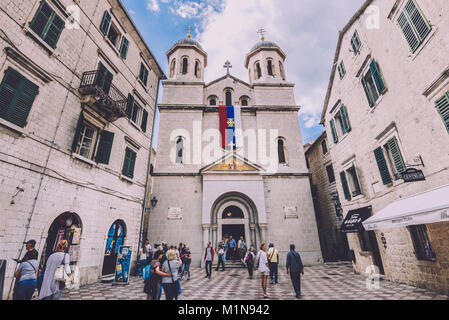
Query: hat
x=32, y=242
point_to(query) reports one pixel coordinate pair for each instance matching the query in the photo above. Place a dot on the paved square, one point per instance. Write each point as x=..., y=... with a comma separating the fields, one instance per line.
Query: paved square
x=325, y=282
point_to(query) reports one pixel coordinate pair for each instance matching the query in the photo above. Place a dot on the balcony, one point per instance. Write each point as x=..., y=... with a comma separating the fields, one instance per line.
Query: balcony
x=97, y=91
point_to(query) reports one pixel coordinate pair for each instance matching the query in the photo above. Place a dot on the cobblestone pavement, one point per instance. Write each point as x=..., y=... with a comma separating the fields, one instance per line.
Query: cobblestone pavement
x=324, y=282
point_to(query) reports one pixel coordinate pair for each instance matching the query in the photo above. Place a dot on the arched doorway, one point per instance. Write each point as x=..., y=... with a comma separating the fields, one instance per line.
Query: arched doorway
x=67, y=226
x=116, y=238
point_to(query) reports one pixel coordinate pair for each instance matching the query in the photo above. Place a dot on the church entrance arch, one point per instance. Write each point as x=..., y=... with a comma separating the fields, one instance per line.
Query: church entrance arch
x=234, y=214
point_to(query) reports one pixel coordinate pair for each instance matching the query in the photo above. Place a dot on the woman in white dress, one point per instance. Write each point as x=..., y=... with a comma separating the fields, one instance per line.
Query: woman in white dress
x=262, y=259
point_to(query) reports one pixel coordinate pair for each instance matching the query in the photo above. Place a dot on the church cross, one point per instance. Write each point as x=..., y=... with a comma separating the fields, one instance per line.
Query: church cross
x=227, y=66
x=262, y=32
x=189, y=31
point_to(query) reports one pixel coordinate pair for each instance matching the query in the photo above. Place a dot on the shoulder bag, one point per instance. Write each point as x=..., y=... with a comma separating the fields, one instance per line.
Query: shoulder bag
x=60, y=274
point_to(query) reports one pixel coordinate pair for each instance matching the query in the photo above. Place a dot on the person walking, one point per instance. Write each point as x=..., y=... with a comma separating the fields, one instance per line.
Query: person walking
x=171, y=283
x=141, y=259
x=249, y=262
x=52, y=289
x=209, y=258
x=232, y=247
x=221, y=258
x=186, y=261
x=26, y=277
x=294, y=264
x=241, y=247
x=153, y=283
x=273, y=261
x=262, y=266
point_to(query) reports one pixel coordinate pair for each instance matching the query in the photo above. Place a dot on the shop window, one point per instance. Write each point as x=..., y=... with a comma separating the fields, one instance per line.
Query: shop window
x=421, y=242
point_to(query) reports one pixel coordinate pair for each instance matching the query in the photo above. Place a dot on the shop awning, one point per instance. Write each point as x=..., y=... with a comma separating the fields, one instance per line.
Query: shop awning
x=424, y=208
x=354, y=219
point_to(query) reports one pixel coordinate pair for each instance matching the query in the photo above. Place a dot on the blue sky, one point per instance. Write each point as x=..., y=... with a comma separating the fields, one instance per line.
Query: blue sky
x=307, y=31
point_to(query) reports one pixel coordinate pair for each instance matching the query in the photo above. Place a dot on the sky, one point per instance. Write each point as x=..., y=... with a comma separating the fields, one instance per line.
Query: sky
x=306, y=30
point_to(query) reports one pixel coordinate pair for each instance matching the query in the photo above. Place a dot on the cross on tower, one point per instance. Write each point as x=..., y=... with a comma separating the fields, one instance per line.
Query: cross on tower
x=227, y=66
x=189, y=31
x=262, y=32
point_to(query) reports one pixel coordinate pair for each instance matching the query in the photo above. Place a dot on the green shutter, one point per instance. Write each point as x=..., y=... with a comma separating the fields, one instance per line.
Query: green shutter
x=129, y=106
x=345, y=186
x=104, y=78
x=334, y=132
x=414, y=25
x=105, y=23
x=442, y=106
x=355, y=42
x=377, y=77
x=47, y=24
x=17, y=95
x=368, y=94
x=407, y=30
x=129, y=163
x=104, y=147
x=76, y=138
x=396, y=156
x=124, y=48
x=143, y=126
x=344, y=119
x=143, y=74
x=383, y=167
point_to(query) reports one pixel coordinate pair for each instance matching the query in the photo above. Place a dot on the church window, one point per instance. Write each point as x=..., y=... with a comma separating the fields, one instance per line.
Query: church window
x=184, y=65
x=213, y=102
x=179, y=150
x=281, y=151
x=172, y=68
x=244, y=103
x=197, y=69
x=228, y=98
x=270, y=68
x=281, y=70
x=233, y=212
x=259, y=71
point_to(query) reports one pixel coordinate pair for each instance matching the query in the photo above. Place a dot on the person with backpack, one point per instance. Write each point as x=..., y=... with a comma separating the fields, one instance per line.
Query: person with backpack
x=294, y=264
x=273, y=261
x=153, y=283
x=249, y=261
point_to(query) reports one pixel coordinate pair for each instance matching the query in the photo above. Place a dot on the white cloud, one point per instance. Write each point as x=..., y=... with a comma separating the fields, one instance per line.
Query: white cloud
x=306, y=30
x=153, y=5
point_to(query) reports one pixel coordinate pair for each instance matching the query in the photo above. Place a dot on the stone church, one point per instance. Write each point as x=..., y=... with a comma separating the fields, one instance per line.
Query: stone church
x=257, y=188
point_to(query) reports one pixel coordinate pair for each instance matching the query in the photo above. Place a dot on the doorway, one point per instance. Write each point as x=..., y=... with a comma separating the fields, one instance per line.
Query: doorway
x=116, y=237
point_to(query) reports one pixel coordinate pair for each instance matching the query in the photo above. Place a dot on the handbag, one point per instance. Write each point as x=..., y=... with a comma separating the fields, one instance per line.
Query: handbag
x=146, y=271
x=60, y=274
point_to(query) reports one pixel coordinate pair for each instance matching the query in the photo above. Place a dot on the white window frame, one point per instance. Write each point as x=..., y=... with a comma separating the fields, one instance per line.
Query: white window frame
x=351, y=185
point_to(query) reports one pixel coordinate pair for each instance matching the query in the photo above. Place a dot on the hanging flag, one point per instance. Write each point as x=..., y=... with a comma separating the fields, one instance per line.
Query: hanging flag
x=238, y=126
x=228, y=125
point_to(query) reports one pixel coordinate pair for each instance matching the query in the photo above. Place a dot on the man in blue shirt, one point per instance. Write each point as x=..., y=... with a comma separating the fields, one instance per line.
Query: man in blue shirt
x=294, y=264
x=232, y=248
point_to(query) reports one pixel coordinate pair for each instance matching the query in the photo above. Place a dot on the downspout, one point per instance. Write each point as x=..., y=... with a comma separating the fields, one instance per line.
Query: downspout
x=144, y=208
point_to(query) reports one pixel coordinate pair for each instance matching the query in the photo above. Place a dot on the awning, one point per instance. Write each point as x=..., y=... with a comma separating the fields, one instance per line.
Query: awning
x=354, y=219
x=424, y=208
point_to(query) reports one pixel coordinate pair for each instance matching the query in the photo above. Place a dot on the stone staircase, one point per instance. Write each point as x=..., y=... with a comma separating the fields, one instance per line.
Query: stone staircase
x=230, y=265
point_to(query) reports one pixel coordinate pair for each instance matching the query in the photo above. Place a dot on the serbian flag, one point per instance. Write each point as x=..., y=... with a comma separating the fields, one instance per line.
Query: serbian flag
x=230, y=126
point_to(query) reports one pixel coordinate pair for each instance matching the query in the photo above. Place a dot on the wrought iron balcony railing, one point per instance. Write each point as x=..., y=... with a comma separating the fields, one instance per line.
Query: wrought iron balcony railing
x=100, y=92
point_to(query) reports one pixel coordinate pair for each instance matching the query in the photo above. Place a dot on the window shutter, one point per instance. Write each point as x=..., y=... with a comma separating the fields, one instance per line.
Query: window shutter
x=77, y=132
x=383, y=167
x=407, y=30
x=105, y=147
x=105, y=23
x=41, y=18
x=129, y=163
x=396, y=156
x=417, y=19
x=344, y=183
x=442, y=105
x=144, y=121
x=368, y=95
x=377, y=77
x=17, y=95
x=54, y=30
x=132, y=164
x=334, y=132
x=129, y=106
x=124, y=48
x=344, y=118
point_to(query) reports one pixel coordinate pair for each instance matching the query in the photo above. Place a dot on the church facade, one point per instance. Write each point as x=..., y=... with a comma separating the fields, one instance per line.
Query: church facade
x=256, y=187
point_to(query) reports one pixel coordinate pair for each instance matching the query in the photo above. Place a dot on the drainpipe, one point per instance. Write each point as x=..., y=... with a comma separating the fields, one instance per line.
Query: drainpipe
x=144, y=208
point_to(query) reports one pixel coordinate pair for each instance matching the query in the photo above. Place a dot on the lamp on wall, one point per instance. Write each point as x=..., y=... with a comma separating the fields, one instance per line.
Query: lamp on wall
x=153, y=202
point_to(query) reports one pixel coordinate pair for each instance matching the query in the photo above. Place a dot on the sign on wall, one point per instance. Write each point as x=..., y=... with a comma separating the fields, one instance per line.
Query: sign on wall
x=412, y=175
x=123, y=265
x=174, y=213
x=291, y=212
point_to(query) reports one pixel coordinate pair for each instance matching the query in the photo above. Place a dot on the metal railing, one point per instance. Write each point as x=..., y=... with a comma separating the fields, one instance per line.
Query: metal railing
x=99, y=83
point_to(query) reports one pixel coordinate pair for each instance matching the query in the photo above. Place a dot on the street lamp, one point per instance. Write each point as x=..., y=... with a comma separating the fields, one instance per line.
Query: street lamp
x=153, y=202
